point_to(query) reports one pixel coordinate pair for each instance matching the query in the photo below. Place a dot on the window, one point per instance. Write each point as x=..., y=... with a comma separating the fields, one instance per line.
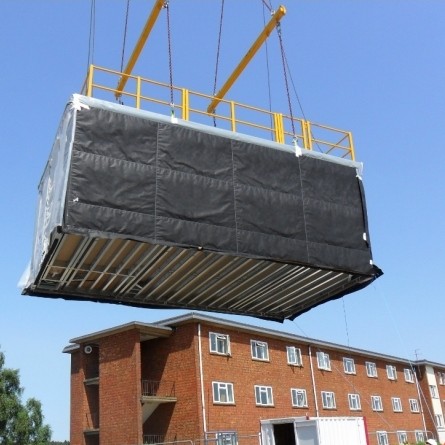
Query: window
x=376, y=402
x=323, y=361
x=219, y=343
x=259, y=350
x=371, y=369
x=354, y=402
x=328, y=399
x=382, y=438
x=433, y=391
x=439, y=420
x=299, y=397
x=263, y=395
x=294, y=356
x=226, y=438
x=391, y=372
x=414, y=405
x=402, y=437
x=441, y=376
x=419, y=436
x=223, y=392
x=409, y=375
x=349, y=365
x=396, y=404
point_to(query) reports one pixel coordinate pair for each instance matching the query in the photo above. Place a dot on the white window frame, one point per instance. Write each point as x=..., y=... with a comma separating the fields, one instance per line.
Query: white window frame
x=223, y=390
x=409, y=375
x=294, y=356
x=260, y=350
x=328, y=399
x=420, y=436
x=376, y=403
x=219, y=343
x=391, y=372
x=226, y=438
x=382, y=438
x=438, y=420
x=261, y=392
x=402, y=437
x=371, y=369
x=414, y=405
x=323, y=361
x=298, y=397
x=396, y=404
x=433, y=391
x=354, y=402
x=441, y=378
x=349, y=365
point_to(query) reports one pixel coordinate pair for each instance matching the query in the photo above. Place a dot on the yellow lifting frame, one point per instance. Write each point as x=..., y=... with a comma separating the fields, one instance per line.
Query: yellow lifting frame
x=139, y=46
x=274, y=21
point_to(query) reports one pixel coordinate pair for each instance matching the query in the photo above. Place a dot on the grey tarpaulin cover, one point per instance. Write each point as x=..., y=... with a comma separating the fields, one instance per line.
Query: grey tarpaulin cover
x=140, y=210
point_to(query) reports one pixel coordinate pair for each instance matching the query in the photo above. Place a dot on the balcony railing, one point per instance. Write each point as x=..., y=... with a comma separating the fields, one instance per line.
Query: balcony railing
x=155, y=388
x=91, y=421
x=153, y=438
x=192, y=106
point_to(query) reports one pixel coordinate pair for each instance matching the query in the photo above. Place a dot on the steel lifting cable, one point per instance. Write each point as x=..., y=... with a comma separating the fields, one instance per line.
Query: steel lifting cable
x=268, y=6
x=170, y=65
x=92, y=33
x=267, y=67
x=217, y=55
x=125, y=35
x=283, y=58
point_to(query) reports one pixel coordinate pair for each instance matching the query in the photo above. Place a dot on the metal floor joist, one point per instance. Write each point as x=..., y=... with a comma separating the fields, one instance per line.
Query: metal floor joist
x=147, y=275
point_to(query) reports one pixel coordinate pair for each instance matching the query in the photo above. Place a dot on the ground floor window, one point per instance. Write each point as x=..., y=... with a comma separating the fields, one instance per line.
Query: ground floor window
x=382, y=438
x=420, y=437
x=402, y=437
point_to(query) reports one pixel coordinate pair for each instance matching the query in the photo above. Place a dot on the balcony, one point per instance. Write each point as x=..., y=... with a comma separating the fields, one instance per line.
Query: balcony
x=91, y=423
x=92, y=374
x=155, y=393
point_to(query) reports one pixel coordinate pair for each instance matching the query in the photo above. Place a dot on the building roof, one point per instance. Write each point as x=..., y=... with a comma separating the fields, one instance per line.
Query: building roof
x=164, y=328
x=147, y=332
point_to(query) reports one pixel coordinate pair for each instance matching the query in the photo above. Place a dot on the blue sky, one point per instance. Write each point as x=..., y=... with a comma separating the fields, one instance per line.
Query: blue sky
x=373, y=67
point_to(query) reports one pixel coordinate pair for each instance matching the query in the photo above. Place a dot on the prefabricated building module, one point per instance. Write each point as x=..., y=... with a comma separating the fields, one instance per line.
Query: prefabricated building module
x=140, y=209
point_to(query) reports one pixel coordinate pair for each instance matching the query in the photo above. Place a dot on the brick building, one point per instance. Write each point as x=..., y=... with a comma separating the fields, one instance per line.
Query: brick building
x=195, y=376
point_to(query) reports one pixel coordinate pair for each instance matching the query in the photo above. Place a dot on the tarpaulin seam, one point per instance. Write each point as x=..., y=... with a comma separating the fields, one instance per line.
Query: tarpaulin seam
x=120, y=160
x=234, y=198
x=304, y=211
x=156, y=183
x=210, y=178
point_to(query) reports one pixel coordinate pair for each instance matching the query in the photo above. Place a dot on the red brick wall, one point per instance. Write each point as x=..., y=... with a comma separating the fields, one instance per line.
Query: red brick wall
x=244, y=372
x=77, y=400
x=174, y=360
x=120, y=389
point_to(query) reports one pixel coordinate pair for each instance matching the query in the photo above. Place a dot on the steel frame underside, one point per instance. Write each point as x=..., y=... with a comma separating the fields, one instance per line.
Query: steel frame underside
x=141, y=274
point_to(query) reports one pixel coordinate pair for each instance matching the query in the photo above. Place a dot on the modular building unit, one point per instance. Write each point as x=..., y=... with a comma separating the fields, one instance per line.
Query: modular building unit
x=136, y=208
x=314, y=431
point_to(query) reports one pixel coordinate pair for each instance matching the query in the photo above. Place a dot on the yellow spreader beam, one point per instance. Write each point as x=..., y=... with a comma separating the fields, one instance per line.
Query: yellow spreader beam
x=139, y=46
x=280, y=12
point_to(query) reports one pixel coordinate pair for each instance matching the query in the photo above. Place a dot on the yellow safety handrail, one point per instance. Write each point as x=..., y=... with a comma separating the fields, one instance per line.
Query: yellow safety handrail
x=193, y=106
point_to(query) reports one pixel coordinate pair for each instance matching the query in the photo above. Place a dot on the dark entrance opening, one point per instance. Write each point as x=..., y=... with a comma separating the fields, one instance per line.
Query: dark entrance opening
x=284, y=434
